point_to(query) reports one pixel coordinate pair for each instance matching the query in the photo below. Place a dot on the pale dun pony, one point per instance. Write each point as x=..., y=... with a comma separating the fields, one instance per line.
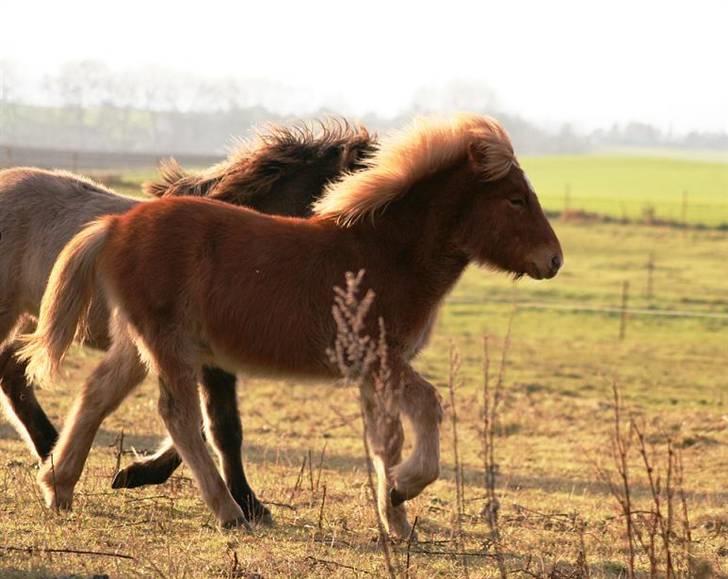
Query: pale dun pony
x=252, y=293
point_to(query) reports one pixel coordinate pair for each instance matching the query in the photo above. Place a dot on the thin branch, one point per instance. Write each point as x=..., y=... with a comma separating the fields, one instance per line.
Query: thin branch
x=31, y=550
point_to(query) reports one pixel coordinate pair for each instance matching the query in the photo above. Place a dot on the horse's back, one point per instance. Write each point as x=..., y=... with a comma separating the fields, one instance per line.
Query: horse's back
x=40, y=211
x=248, y=286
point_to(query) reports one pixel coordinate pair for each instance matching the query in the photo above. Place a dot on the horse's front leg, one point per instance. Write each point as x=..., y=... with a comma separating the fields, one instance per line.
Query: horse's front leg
x=112, y=380
x=225, y=432
x=420, y=403
x=385, y=437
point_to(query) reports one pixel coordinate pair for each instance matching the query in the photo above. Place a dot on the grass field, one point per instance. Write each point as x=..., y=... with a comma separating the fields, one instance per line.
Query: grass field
x=554, y=425
x=630, y=186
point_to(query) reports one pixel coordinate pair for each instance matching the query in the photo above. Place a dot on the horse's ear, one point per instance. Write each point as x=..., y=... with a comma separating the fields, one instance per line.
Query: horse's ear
x=477, y=154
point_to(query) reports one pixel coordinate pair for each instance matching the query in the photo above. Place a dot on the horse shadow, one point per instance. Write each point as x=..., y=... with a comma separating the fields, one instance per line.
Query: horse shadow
x=344, y=462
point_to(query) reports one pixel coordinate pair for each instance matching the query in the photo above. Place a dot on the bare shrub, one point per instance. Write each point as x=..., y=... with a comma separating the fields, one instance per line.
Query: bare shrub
x=363, y=362
x=657, y=527
x=492, y=398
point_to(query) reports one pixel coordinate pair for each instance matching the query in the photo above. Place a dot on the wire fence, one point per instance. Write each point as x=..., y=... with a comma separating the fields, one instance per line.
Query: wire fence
x=564, y=306
x=686, y=209
x=624, y=312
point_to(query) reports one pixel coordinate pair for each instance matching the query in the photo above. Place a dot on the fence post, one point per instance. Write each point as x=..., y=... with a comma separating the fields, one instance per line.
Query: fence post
x=684, y=216
x=623, y=316
x=650, y=271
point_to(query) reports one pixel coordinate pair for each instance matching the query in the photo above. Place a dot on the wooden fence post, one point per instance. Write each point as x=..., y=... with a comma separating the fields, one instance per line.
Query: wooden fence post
x=623, y=316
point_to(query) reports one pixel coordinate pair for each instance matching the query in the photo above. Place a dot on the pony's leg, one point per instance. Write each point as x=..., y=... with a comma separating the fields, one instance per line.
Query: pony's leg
x=421, y=405
x=21, y=405
x=179, y=407
x=153, y=470
x=112, y=380
x=225, y=432
x=226, y=435
x=385, y=437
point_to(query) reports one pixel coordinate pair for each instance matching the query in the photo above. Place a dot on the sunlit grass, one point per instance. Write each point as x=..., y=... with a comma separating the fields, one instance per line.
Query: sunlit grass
x=554, y=423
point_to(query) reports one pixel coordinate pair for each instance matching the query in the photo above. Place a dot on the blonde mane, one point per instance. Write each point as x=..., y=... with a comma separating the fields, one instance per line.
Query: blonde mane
x=428, y=145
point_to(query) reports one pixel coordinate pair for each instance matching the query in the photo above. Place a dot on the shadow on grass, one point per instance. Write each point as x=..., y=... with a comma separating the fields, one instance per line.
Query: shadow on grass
x=344, y=462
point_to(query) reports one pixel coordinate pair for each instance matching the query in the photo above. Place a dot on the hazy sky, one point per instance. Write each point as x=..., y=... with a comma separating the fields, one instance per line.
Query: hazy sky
x=588, y=62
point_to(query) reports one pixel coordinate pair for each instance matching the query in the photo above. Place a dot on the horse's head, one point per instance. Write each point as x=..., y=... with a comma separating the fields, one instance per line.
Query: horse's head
x=480, y=200
x=503, y=225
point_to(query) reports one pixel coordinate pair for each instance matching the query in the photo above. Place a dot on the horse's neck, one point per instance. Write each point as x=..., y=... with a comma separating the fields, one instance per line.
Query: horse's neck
x=418, y=231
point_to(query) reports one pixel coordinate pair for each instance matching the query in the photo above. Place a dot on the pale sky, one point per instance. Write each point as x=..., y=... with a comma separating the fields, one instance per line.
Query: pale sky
x=552, y=61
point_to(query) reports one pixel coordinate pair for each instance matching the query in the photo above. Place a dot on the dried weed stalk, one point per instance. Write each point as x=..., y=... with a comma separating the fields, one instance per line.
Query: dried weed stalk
x=363, y=362
x=492, y=399
x=452, y=383
x=652, y=530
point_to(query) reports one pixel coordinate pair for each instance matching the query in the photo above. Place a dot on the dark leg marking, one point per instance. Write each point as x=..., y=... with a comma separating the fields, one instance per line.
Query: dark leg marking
x=24, y=405
x=226, y=433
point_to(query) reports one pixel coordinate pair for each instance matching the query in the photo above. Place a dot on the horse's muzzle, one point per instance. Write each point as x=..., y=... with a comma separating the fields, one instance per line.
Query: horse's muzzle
x=545, y=268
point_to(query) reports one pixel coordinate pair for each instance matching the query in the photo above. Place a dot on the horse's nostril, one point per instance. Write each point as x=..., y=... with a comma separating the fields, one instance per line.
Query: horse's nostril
x=556, y=262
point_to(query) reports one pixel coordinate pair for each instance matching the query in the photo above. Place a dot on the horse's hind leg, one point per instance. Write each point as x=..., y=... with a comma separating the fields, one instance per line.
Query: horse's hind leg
x=420, y=403
x=385, y=437
x=226, y=435
x=153, y=470
x=112, y=380
x=19, y=399
x=179, y=408
x=22, y=406
x=225, y=432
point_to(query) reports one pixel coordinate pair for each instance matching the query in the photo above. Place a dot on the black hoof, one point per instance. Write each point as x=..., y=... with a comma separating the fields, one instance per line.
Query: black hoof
x=396, y=497
x=139, y=475
x=239, y=523
x=255, y=511
x=120, y=481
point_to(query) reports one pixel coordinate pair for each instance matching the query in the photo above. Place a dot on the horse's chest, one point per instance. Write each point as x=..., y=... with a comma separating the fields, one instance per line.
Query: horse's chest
x=420, y=334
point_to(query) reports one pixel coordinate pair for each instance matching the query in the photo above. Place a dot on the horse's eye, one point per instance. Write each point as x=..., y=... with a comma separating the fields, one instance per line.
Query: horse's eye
x=517, y=202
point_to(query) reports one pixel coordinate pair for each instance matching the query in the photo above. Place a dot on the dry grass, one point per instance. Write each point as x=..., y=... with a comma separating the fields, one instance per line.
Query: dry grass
x=554, y=417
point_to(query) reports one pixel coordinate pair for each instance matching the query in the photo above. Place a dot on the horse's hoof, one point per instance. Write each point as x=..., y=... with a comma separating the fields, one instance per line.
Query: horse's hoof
x=237, y=523
x=121, y=480
x=57, y=502
x=138, y=474
x=264, y=517
x=396, y=497
x=259, y=514
x=255, y=511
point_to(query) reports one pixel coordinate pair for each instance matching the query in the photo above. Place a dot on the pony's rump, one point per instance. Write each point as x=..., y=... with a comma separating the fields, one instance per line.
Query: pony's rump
x=66, y=302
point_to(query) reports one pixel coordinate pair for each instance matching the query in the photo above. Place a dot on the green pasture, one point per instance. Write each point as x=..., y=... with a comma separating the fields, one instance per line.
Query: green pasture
x=553, y=427
x=628, y=186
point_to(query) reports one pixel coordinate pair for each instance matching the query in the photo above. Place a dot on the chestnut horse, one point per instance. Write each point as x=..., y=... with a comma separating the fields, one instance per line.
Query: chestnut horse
x=283, y=171
x=252, y=293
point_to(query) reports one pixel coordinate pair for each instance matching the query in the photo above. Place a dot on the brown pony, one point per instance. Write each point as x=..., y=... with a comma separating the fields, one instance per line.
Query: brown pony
x=282, y=171
x=252, y=293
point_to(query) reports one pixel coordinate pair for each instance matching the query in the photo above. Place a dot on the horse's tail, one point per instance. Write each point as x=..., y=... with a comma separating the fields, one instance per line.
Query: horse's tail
x=66, y=301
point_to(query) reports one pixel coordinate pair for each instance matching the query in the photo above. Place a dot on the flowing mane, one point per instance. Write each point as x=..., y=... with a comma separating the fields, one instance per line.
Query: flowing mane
x=256, y=165
x=425, y=147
